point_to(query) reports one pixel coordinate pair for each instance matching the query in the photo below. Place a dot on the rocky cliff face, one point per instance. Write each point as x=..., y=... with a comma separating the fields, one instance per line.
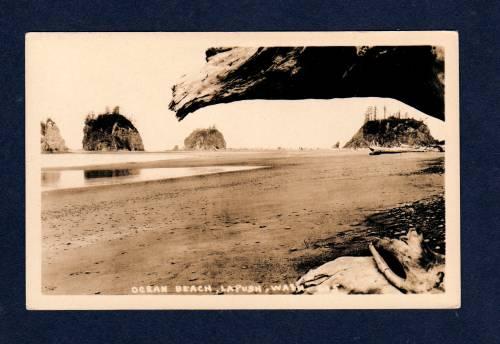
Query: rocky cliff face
x=411, y=74
x=111, y=132
x=392, y=132
x=51, y=140
x=205, y=139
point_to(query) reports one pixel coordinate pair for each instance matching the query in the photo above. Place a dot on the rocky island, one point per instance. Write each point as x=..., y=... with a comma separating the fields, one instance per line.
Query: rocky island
x=51, y=140
x=205, y=139
x=392, y=132
x=110, y=132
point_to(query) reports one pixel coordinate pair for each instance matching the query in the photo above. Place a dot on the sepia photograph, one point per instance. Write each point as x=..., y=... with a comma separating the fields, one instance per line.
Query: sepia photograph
x=242, y=170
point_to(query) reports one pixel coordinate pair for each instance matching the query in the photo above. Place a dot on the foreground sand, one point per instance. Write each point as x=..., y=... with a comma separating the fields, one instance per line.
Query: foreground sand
x=249, y=227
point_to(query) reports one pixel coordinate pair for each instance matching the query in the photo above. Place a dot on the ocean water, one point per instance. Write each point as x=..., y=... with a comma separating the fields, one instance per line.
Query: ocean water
x=70, y=179
x=82, y=159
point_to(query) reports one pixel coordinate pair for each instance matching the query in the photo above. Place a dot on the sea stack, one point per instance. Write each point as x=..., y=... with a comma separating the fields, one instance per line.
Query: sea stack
x=392, y=132
x=110, y=132
x=205, y=139
x=51, y=139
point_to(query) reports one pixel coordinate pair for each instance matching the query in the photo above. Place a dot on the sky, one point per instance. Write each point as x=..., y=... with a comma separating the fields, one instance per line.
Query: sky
x=71, y=75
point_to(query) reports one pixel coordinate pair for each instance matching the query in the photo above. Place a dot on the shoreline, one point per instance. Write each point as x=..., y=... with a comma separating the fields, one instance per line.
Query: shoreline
x=250, y=227
x=191, y=158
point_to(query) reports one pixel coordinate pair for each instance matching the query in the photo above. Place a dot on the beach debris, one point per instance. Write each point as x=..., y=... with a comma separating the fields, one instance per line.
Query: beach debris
x=404, y=265
x=394, y=150
x=389, y=223
x=346, y=275
x=409, y=264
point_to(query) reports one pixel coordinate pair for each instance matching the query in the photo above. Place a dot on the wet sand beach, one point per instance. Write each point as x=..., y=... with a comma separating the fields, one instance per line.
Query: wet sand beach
x=262, y=226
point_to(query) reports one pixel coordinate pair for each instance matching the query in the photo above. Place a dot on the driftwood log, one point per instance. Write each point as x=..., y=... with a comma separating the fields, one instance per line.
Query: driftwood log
x=411, y=74
x=403, y=265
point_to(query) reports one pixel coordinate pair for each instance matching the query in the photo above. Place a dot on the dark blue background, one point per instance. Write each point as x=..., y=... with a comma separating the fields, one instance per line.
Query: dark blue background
x=477, y=320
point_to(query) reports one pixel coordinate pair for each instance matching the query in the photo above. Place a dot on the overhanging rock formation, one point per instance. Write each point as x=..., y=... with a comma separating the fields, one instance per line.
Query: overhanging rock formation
x=411, y=74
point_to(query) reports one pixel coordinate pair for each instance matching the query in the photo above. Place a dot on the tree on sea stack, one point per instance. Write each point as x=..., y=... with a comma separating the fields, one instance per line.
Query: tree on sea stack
x=392, y=132
x=205, y=139
x=110, y=131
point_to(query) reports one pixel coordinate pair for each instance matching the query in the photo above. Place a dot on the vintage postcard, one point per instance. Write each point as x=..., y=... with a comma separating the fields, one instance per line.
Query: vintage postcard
x=297, y=170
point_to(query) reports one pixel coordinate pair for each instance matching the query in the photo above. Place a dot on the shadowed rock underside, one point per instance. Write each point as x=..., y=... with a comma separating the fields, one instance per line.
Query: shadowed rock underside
x=411, y=74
